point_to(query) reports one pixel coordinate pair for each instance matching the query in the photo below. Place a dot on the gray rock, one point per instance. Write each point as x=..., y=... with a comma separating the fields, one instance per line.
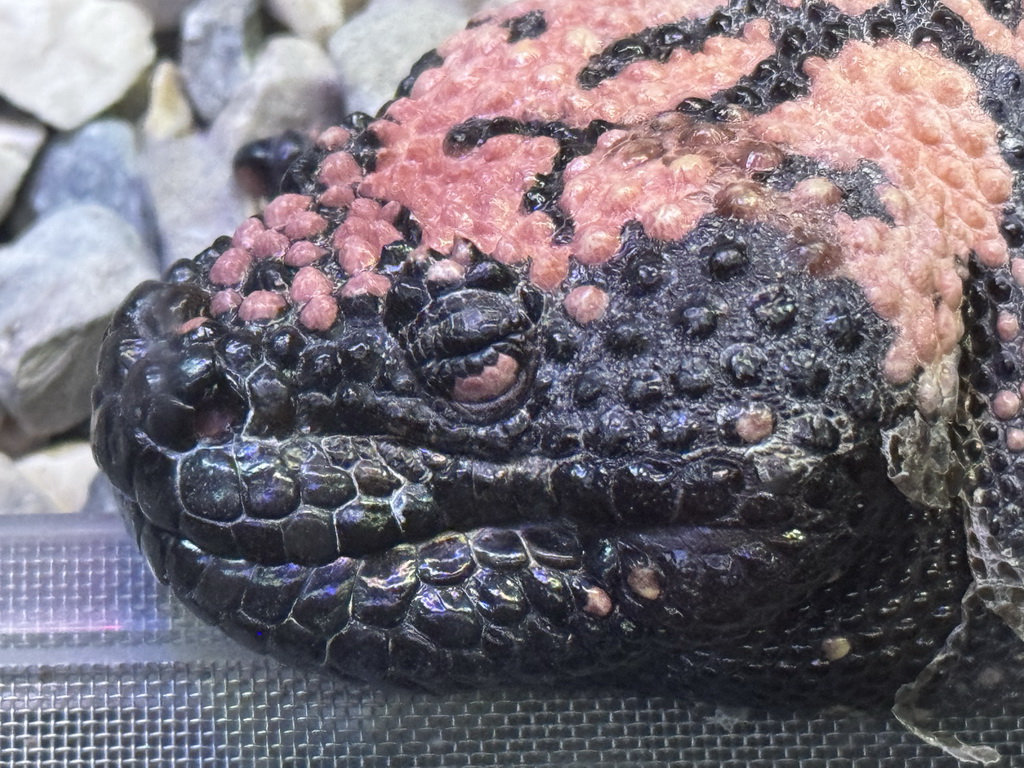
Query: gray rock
x=98, y=163
x=14, y=441
x=168, y=114
x=194, y=193
x=64, y=61
x=61, y=473
x=376, y=49
x=59, y=284
x=293, y=85
x=218, y=39
x=18, y=496
x=20, y=139
x=312, y=19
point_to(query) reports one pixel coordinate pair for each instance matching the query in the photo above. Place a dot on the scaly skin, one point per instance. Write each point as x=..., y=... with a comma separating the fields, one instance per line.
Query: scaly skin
x=652, y=342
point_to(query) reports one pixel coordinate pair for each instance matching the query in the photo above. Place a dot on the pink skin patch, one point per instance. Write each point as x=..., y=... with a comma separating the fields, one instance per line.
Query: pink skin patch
x=231, y=267
x=261, y=305
x=224, y=301
x=477, y=196
x=245, y=235
x=355, y=254
x=333, y=138
x=304, y=225
x=586, y=303
x=339, y=168
x=360, y=238
x=1006, y=404
x=1015, y=439
x=319, y=313
x=909, y=110
x=309, y=282
x=1007, y=326
x=493, y=381
x=283, y=207
x=854, y=7
x=1017, y=270
x=338, y=196
x=303, y=253
x=269, y=245
x=366, y=283
x=756, y=424
x=445, y=272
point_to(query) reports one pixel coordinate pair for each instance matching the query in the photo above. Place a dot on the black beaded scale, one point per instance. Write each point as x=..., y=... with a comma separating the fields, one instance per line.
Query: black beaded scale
x=319, y=497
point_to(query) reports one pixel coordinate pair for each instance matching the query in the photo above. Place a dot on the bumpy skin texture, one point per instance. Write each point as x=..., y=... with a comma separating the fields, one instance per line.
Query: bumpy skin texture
x=654, y=342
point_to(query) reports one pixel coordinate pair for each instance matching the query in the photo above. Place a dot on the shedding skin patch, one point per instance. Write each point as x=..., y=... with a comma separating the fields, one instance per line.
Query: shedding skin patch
x=917, y=116
x=672, y=172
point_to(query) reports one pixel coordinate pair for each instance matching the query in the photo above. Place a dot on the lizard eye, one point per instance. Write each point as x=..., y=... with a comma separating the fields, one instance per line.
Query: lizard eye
x=474, y=347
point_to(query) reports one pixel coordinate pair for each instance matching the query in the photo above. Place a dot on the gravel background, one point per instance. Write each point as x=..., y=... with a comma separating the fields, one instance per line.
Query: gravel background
x=119, y=120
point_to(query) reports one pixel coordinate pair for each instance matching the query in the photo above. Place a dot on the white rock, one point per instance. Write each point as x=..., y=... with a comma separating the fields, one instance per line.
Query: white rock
x=194, y=194
x=20, y=139
x=168, y=114
x=66, y=60
x=293, y=85
x=18, y=496
x=62, y=474
x=218, y=38
x=313, y=19
x=59, y=284
x=376, y=49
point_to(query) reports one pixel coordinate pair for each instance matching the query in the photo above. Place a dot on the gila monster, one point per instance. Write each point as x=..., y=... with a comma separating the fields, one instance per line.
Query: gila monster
x=656, y=341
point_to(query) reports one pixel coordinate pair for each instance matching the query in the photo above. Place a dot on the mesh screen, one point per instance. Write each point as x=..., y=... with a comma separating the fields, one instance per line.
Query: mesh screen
x=100, y=667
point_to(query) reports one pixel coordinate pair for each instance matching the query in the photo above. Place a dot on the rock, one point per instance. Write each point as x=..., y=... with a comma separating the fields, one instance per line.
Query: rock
x=59, y=284
x=61, y=473
x=64, y=61
x=18, y=496
x=312, y=19
x=166, y=14
x=99, y=163
x=194, y=193
x=14, y=441
x=168, y=115
x=375, y=50
x=20, y=139
x=218, y=39
x=293, y=85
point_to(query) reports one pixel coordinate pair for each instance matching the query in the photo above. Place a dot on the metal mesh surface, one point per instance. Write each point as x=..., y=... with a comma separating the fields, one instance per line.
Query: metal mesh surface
x=100, y=667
